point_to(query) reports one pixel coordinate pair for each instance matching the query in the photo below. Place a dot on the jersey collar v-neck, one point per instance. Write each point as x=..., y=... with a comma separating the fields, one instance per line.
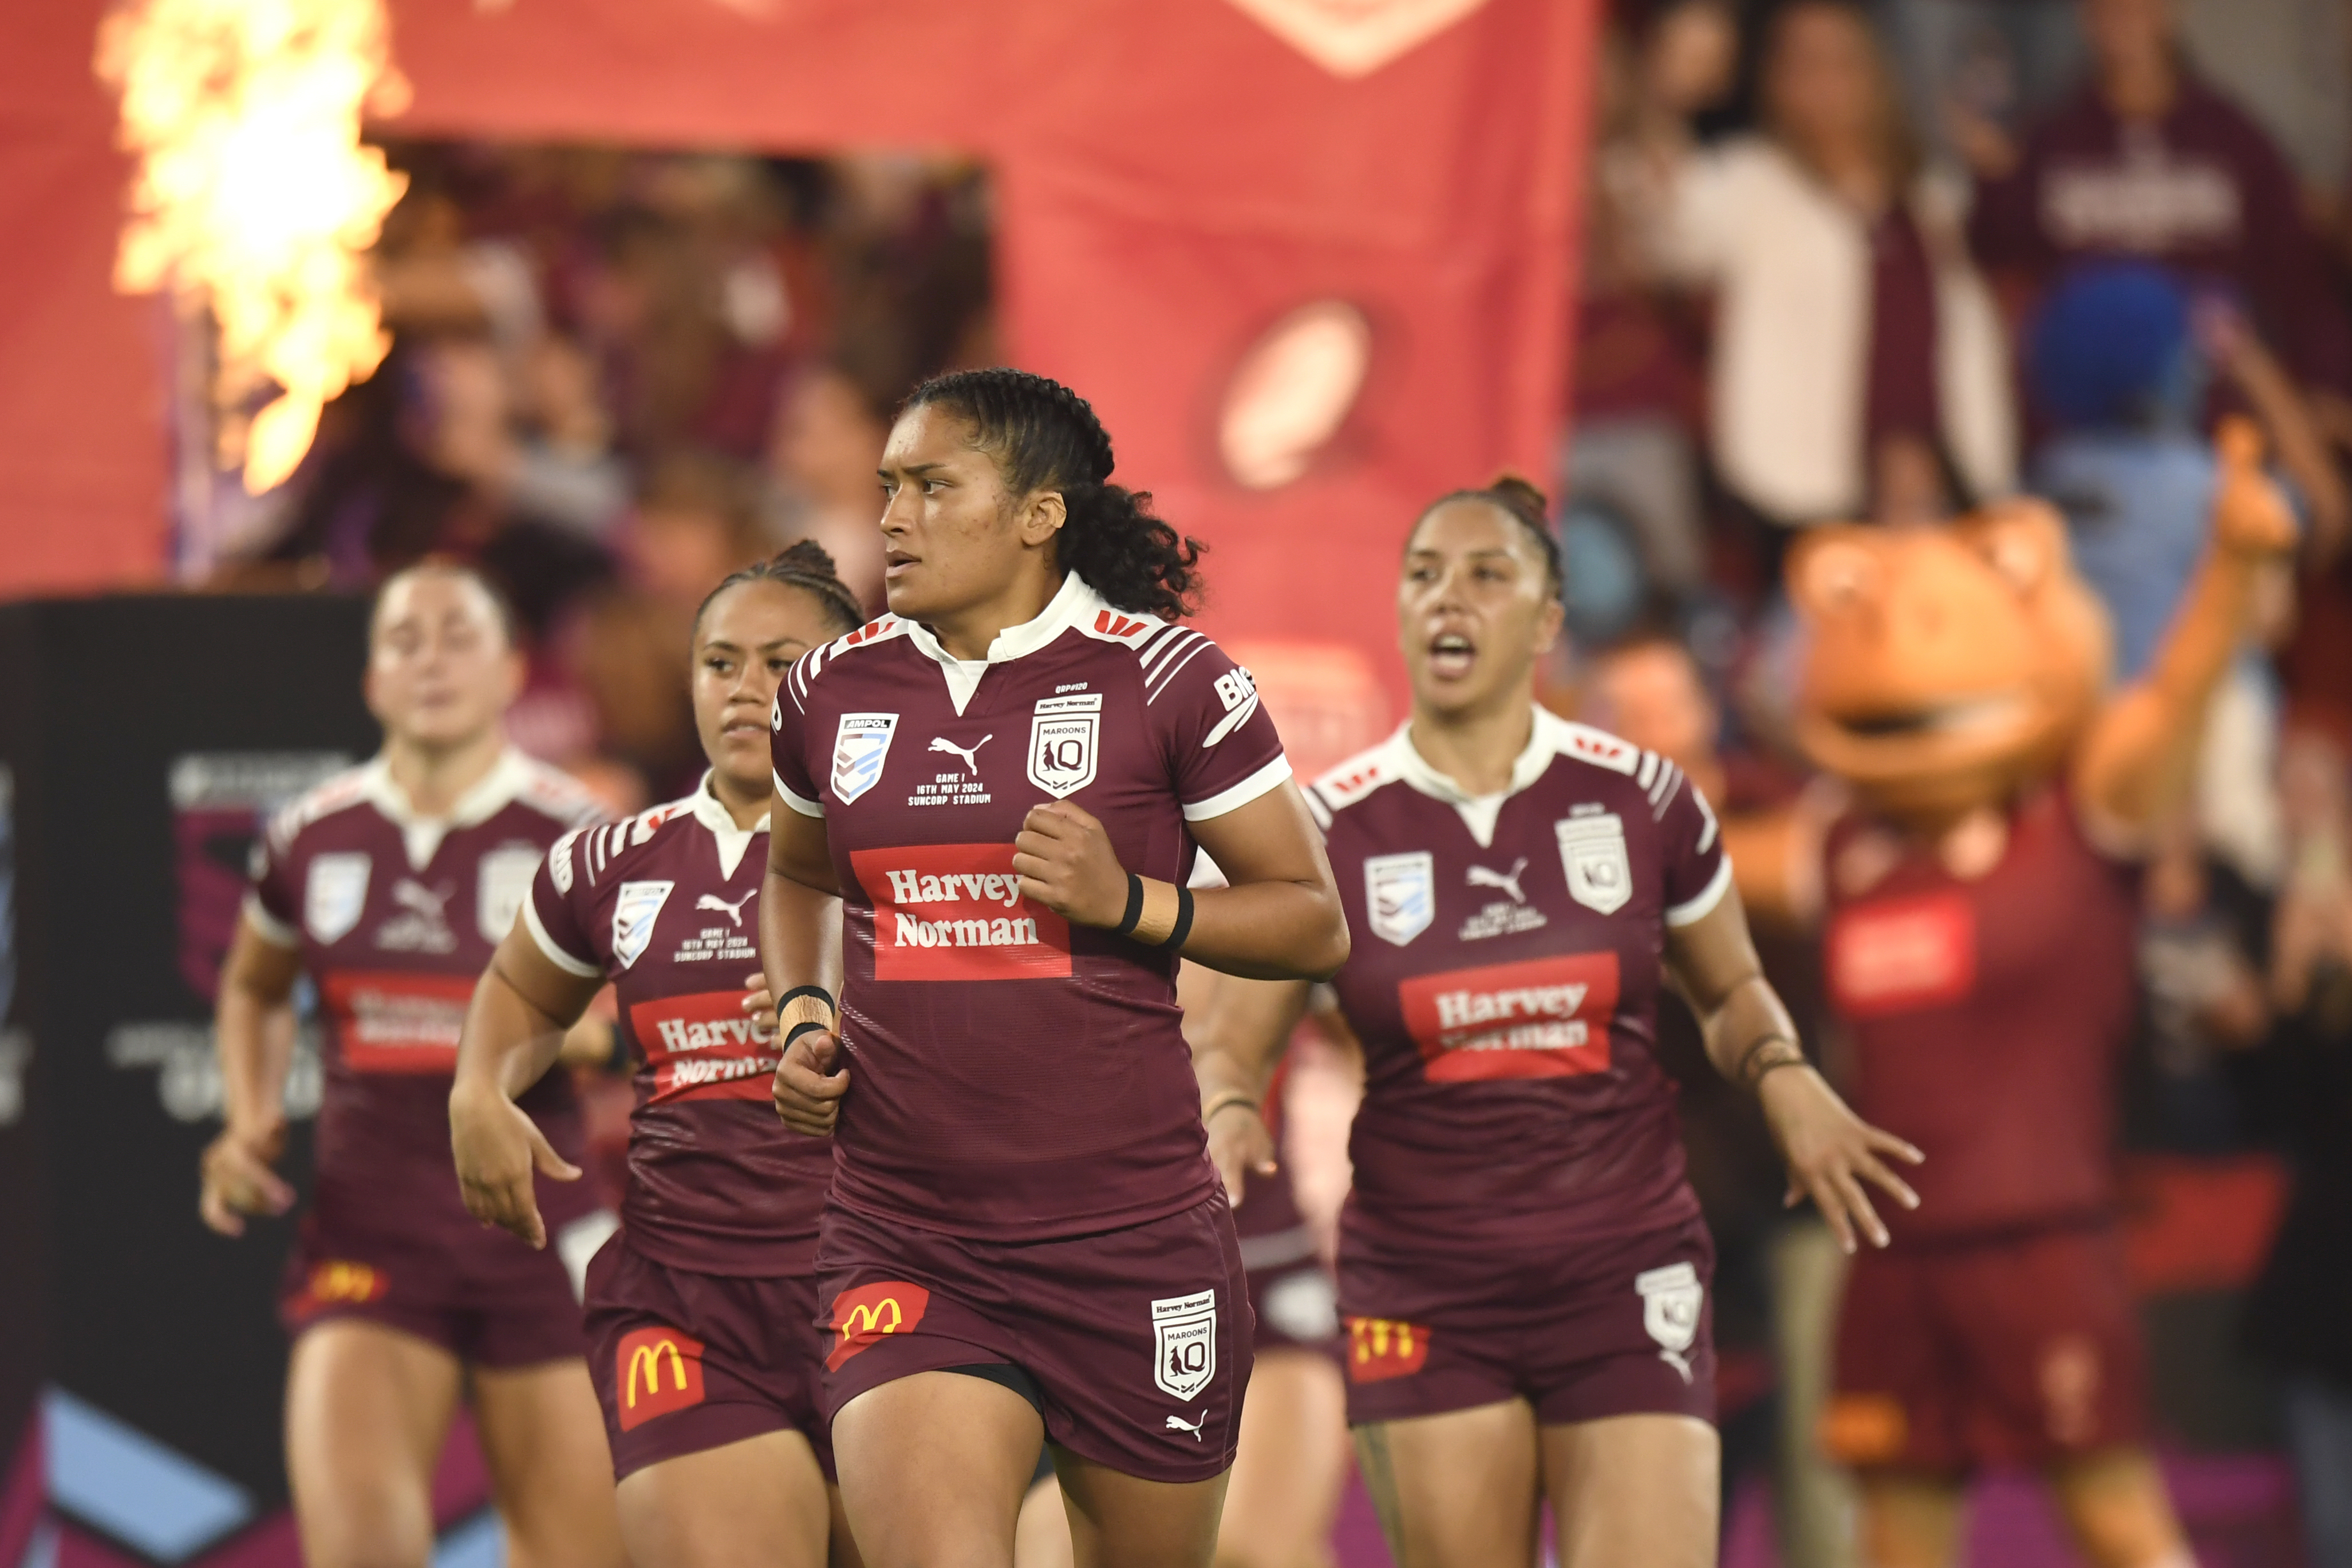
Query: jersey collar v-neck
x=712, y=813
x=421, y=836
x=1070, y=606
x=1479, y=813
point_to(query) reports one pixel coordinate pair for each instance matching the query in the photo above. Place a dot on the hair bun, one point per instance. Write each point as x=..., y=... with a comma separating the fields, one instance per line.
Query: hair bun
x=805, y=555
x=1522, y=491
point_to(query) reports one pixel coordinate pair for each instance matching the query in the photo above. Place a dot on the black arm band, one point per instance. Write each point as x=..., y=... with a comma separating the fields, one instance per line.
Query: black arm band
x=799, y=991
x=802, y=1028
x=1135, y=907
x=1183, y=927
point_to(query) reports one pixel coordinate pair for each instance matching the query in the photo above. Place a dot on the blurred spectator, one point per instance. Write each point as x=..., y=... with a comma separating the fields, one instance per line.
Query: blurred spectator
x=1977, y=71
x=2201, y=947
x=1640, y=349
x=1859, y=364
x=2297, y=1315
x=822, y=484
x=2147, y=161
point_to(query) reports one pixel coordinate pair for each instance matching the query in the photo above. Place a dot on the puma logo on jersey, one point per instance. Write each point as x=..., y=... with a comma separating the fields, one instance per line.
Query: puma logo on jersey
x=1508, y=882
x=1178, y=1424
x=734, y=912
x=970, y=754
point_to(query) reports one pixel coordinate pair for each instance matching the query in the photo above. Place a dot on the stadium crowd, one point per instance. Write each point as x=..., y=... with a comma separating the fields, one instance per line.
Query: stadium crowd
x=1841, y=263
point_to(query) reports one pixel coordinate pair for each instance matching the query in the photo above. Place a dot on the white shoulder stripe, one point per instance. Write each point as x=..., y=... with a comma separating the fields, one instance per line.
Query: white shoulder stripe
x=1649, y=769
x=1161, y=651
x=1167, y=676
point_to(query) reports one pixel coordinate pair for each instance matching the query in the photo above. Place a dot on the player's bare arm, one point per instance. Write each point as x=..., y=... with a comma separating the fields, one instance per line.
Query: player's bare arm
x=515, y=1030
x=253, y=1029
x=1830, y=1151
x=1238, y=1029
x=800, y=949
x=1279, y=919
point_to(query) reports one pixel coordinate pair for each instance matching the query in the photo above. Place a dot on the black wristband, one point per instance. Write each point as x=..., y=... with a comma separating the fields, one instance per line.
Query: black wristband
x=799, y=991
x=1183, y=926
x=1126, y=926
x=802, y=1028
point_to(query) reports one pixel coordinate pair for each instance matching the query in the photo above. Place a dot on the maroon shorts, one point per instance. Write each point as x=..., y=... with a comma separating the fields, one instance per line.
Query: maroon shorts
x=1138, y=1339
x=1622, y=1326
x=481, y=1294
x=684, y=1362
x=2019, y=1351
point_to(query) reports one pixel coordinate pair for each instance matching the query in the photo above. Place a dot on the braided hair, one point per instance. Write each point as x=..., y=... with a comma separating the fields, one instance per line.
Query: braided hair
x=1524, y=504
x=1044, y=436
x=804, y=565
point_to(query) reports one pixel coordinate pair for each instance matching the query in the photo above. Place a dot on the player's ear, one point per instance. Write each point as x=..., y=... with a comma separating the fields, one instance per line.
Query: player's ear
x=1549, y=618
x=1041, y=517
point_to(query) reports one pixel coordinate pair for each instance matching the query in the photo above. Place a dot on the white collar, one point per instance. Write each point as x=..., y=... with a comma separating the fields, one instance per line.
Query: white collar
x=421, y=835
x=1479, y=813
x=712, y=813
x=1071, y=605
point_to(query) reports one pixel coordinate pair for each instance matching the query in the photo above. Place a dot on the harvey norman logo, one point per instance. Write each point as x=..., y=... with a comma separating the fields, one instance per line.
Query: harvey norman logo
x=1544, y=1018
x=955, y=911
x=703, y=1046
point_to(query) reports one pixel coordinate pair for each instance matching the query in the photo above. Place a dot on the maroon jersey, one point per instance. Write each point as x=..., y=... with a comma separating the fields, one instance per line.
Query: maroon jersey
x=1987, y=1016
x=1015, y=1077
x=396, y=916
x=1504, y=982
x=667, y=906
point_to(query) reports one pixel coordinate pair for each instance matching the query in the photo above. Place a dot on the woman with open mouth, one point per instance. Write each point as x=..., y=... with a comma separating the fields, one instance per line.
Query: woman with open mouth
x=1522, y=1271
x=1025, y=1239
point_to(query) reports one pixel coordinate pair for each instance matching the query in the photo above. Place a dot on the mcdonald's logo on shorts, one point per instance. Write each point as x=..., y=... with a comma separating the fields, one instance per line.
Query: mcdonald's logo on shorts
x=1382, y=1348
x=655, y=1370
x=337, y=1282
x=863, y=1316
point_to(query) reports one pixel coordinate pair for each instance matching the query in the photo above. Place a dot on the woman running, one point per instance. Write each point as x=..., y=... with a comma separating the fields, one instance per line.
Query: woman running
x=1522, y=1271
x=702, y=1308
x=389, y=885
x=1024, y=1236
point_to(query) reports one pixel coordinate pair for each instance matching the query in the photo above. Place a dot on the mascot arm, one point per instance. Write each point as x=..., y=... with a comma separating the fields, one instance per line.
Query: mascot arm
x=1776, y=856
x=2135, y=764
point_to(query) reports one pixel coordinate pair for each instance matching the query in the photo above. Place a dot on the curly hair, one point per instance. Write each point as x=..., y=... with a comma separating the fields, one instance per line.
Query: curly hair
x=1524, y=504
x=805, y=566
x=1044, y=436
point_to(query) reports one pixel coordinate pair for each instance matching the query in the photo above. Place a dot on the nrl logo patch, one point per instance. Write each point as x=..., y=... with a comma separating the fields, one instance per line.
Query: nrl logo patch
x=333, y=894
x=634, y=912
x=1064, y=737
x=860, y=744
x=501, y=885
x=1401, y=894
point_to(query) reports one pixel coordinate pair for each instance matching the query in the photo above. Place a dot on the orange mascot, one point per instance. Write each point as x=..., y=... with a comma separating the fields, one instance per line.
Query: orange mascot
x=1978, y=913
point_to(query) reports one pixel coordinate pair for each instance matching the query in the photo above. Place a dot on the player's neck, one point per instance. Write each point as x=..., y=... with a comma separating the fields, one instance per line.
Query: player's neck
x=433, y=780
x=745, y=807
x=970, y=632
x=1476, y=747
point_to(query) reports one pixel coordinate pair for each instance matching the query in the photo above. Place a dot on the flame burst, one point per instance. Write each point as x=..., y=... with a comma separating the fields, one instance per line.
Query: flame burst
x=255, y=197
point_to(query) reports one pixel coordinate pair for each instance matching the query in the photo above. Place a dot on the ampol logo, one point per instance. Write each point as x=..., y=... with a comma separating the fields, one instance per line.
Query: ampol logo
x=704, y=1045
x=862, y=1317
x=956, y=912
x=1540, y=1017
x=658, y=1370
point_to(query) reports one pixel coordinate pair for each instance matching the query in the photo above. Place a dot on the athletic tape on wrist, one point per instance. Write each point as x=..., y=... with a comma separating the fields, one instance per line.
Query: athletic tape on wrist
x=1126, y=927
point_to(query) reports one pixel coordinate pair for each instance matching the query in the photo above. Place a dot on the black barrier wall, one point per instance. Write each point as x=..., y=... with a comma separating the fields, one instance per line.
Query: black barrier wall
x=142, y=741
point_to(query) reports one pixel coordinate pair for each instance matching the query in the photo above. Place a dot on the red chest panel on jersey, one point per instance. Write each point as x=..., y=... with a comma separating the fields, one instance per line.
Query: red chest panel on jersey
x=954, y=912
x=1541, y=1018
x=705, y=1047
x=1899, y=954
x=397, y=1023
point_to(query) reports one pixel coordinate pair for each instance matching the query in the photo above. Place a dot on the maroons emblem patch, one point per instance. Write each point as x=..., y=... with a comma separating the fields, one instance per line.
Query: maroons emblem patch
x=1184, y=1343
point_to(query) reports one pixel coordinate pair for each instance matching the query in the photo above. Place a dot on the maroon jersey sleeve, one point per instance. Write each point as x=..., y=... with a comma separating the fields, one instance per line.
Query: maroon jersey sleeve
x=787, y=726
x=556, y=913
x=1221, y=749
x=272, y=903
x=1697, y=871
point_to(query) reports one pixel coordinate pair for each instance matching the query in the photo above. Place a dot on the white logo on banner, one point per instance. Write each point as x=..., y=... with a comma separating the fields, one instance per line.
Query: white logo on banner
x=860, y=743
x=1063, y=737
x=333, y=896
x=1401, y=894
x=1184, y=1343
x=500, y=888
x=632, y=917
x=1671, y=1299
x=1592, y=853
